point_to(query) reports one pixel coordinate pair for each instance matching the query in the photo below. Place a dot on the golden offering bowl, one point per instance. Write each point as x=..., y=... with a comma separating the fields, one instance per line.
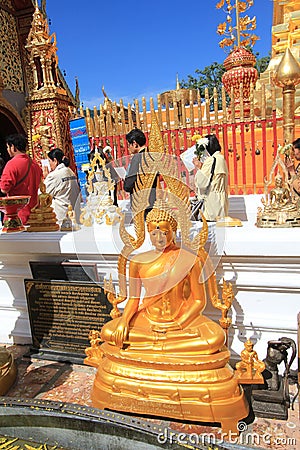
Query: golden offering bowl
x=11, y=206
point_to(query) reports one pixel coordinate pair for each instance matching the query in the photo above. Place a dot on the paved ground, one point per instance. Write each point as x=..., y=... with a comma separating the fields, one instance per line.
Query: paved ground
x=62, y=382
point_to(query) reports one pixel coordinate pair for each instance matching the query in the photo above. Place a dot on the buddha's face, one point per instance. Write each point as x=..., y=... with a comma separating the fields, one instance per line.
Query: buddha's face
x=161, y=234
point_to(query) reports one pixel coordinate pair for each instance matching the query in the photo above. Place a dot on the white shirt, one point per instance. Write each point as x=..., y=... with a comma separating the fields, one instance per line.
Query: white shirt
x=62, y=184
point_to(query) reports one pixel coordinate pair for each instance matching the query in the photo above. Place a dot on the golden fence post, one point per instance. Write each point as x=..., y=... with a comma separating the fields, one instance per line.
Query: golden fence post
x=191, y=100
x=96, y=122
x=216, y=107
x=123, y=122
x=90, y=127
x=207, y=106
x=182, y=106
x=116, y=130
x=144, y=106
x=159, y=115
x=168, y=115
x=199, y=109
x=129, y=112
x=102, y=121
x=108, y=122
x=176, y=118
x=137, y=113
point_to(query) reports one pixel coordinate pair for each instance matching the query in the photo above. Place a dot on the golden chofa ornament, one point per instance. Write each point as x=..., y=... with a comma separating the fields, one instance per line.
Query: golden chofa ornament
x=162, y=356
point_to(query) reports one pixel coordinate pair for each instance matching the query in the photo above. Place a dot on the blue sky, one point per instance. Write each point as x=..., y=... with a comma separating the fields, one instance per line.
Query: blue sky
x=136, y=48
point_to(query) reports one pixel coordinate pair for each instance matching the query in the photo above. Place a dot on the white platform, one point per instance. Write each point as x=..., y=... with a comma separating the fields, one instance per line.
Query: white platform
x=262, y=264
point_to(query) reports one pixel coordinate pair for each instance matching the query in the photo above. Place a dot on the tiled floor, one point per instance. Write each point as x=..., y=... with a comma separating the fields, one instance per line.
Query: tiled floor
x=61, y=382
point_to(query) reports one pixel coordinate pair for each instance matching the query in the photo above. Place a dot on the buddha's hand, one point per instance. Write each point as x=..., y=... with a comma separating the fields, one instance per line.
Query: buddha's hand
x=121, y=332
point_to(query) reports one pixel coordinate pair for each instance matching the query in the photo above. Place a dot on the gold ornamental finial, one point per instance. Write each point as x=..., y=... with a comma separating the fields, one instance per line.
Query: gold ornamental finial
x=238, y=35
x=288, y=70
x=177, y=83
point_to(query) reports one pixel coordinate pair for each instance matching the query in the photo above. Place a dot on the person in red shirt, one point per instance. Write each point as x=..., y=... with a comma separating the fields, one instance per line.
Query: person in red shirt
x=21, y=175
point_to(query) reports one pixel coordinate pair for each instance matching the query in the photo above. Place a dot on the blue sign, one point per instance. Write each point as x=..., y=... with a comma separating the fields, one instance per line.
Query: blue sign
x=81, y=145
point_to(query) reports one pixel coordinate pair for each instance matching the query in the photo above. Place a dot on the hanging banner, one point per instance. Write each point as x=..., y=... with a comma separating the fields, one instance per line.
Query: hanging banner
x=81, y=145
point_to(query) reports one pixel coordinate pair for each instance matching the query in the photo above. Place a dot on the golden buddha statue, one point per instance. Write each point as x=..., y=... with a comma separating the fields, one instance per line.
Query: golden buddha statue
x=162, y=356
x=169, y=316
x=69, y=223
x=42, y=216
x=280, y=196
x=279, y=208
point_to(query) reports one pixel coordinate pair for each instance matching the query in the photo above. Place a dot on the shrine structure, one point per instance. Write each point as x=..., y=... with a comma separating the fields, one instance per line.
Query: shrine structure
x=34, y=97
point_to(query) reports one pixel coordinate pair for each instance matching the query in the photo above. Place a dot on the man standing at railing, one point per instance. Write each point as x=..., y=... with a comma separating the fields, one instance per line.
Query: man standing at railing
x=136, y=140
x=293, y=167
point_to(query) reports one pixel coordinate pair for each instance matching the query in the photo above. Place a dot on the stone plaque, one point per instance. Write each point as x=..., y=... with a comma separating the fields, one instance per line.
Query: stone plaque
x=65, y=270
x=62, y=314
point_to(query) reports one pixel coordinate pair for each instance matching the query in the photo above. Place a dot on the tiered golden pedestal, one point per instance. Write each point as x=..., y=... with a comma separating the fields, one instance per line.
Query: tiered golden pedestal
x=198, y=387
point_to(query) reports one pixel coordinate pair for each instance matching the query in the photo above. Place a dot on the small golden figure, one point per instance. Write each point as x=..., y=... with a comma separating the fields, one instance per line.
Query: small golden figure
x=42, y=216
x=66, y=224
x=249, y=369
x=72, y=217
x=280, y=196
x=94, y=352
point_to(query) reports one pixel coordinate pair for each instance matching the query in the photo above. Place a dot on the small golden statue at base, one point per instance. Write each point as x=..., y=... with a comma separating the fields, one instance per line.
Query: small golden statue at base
x=42, y=216
x=279, y=210
x=69, y=223
x=94, y=352
x=162, y=356
x=8, y=370
x=249, y=369
x=66, y=224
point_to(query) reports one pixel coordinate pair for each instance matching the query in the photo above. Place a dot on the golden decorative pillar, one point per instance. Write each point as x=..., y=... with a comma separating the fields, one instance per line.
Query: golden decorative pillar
x=287, y=76
x=240, y=72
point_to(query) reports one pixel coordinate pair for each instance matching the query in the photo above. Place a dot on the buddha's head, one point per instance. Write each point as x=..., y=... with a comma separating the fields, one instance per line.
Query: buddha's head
x=249, y=345
x=278, y=181
x=161, y=225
